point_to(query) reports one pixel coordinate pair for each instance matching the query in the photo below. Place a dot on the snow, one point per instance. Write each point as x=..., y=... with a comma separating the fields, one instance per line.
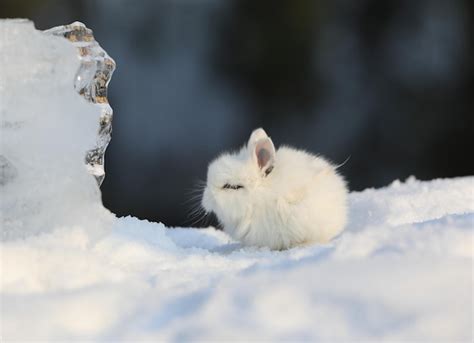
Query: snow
x=402, y=270
x=45, y=130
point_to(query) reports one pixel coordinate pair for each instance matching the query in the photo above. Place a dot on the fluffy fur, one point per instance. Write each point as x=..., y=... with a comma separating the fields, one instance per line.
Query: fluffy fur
x=278, y=199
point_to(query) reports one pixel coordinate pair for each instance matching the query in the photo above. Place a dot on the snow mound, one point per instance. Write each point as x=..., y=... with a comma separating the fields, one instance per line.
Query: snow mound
x=45, y=130
x=402, y=270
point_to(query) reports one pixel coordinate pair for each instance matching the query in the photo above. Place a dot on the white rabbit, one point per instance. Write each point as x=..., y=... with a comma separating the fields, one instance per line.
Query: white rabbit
x=278, y=199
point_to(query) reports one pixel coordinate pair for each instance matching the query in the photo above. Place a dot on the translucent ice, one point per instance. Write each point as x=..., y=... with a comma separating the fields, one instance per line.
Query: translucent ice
x=46, y=128
x=91, y=81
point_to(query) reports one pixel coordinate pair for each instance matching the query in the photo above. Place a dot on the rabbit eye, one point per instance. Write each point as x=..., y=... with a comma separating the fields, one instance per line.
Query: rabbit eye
x=269, y=170
x=229, y=186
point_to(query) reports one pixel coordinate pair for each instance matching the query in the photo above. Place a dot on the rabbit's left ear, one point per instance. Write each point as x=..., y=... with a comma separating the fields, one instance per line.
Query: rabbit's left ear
x=264, y=155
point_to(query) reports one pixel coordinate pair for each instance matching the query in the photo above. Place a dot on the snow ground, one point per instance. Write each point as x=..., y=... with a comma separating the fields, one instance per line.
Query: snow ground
x=402, y=270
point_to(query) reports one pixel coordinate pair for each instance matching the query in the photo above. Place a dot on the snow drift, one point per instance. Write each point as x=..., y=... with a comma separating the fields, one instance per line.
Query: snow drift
x=401, y=271
x=46, y=129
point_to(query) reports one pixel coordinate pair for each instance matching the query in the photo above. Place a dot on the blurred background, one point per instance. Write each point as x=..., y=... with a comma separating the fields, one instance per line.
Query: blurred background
x=388, y=83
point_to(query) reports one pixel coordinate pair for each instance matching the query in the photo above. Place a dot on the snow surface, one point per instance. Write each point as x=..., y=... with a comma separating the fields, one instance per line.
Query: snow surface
x=402, y=270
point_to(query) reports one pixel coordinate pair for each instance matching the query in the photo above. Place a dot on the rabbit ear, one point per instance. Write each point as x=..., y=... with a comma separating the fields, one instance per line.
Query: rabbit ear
x=256, y=135
x=264, y=154
x=262, y=150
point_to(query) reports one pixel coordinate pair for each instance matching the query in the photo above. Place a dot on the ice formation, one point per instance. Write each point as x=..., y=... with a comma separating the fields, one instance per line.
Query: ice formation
x=91, y=81
x=46, y=129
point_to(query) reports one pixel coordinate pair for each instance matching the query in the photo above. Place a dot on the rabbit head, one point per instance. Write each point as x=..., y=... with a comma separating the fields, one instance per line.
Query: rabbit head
x=233, y=181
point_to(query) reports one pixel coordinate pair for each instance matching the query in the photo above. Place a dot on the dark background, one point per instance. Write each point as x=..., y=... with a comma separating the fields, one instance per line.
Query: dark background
x=389, y=83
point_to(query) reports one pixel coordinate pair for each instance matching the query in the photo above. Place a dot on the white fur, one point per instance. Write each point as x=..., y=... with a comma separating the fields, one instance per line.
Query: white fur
x=302, y=199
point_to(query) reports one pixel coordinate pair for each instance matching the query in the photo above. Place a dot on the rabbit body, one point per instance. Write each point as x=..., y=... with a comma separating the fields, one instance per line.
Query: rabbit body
x=278, y=199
